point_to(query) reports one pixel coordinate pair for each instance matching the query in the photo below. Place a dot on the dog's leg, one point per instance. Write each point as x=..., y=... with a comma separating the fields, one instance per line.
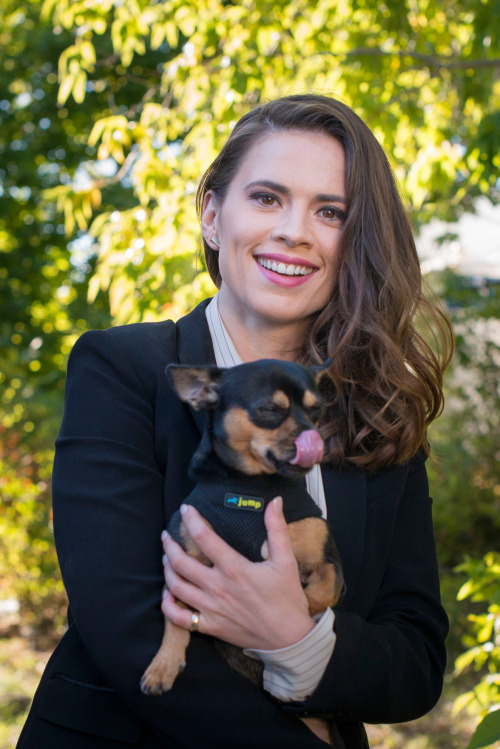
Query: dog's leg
x=169, y=661
x=321, y=578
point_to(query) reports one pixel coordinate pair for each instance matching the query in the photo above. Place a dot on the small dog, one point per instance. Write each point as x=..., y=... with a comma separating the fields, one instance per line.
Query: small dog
x=261, y=438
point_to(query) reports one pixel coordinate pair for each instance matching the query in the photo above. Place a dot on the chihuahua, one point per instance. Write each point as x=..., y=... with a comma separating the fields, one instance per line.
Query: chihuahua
x=260, y=439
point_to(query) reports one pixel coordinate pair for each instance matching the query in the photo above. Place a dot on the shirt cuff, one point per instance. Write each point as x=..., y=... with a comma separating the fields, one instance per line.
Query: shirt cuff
x=294, y=672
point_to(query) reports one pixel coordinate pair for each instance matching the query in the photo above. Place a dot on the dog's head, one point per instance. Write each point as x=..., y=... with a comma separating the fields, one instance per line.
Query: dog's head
x=263, y=415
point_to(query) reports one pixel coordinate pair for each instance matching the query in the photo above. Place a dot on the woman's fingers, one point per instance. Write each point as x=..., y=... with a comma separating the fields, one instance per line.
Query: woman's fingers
x=239, y=601
x=279, y=546
x=180, y=615
x=220, y=553
x=185, y=577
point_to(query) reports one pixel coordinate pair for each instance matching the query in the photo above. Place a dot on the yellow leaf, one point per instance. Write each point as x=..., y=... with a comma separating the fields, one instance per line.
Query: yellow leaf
x=172, y=34
x=157, y=36
x=87, y=51
x=80, y=218
x=69, y=222
x=47, y=9
x=97, y=131
x=95, y=197
x=79, y=87
x=93, y=289
x=87, y=209
x=65, y=89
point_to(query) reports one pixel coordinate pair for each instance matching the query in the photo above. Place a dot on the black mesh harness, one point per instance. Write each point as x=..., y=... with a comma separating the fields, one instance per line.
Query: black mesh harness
x=235, y=507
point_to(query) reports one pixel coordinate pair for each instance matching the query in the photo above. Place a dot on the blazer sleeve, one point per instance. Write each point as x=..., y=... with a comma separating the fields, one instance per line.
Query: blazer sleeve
x=388, y=666
x=108, y=495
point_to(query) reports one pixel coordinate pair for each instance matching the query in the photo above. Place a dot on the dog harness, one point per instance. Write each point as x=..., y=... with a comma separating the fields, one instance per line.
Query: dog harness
x=235, y=507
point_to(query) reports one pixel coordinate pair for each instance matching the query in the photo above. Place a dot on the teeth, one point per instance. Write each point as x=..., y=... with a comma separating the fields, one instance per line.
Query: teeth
x=285, y=270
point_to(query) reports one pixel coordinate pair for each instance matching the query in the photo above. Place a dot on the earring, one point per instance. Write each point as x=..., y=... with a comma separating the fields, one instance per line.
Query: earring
x=215, y=240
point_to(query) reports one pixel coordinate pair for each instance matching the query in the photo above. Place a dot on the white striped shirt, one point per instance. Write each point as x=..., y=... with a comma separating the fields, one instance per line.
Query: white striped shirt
x=294, y=672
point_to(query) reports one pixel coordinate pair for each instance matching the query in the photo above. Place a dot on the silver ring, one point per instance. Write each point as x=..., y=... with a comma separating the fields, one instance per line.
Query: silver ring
x=195, y=621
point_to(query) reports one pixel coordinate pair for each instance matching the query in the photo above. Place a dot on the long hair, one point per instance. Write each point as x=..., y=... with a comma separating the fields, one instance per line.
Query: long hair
x=389, y=342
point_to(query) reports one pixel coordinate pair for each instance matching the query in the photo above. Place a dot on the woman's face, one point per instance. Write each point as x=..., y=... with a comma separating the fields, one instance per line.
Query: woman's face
x=278, y=228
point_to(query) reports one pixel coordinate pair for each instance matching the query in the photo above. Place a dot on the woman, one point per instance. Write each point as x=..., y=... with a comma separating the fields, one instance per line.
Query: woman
x=307, y=240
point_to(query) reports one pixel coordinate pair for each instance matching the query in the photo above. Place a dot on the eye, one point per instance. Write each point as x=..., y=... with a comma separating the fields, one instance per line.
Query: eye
x=314, y=413
x=270, y=414
x=335, y=215
x=265, y=198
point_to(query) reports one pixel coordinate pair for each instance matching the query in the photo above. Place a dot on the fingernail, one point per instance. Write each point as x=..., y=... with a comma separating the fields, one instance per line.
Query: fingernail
x=164, y=559
x=164, y=592
x=164, y=535
x=184, y=509
x=278, y=505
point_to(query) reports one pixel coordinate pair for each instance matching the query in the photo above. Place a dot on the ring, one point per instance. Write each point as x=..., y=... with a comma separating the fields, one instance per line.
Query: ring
x=195, y=621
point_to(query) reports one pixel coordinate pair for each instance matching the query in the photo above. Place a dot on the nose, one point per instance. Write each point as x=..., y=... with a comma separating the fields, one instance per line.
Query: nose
x=292, y=228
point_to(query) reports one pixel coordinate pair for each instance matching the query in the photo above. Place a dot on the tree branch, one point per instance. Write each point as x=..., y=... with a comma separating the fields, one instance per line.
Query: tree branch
x=449, y=63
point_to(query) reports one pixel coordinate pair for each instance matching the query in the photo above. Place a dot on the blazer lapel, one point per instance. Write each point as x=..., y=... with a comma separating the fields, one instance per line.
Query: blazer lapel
x=345, y=492
x=194, y=347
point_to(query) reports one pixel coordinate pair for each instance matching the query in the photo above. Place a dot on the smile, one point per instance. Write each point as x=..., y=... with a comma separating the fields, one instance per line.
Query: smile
x=285, y=269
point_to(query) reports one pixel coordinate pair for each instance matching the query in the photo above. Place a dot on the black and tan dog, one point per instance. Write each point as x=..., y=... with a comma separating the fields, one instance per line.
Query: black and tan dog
x=260, y=440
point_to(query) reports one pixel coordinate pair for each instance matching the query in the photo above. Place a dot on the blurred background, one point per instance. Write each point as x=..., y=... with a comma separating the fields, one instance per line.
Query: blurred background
x=110, y=110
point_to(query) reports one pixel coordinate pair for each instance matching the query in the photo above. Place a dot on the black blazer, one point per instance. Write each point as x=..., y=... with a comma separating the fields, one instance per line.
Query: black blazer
x=120, y=472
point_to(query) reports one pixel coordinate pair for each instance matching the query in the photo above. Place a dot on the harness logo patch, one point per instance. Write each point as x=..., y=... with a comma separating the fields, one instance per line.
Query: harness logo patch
x=242, y=502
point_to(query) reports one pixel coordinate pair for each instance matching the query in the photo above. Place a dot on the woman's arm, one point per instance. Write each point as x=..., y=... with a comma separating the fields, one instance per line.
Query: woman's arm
x=388, y=667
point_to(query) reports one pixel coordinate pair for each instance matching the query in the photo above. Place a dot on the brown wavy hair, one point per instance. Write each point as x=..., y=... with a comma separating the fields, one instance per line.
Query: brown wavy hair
x=390, y=341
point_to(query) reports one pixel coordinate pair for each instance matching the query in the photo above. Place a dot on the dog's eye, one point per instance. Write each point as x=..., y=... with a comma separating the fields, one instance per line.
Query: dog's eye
x=270, y=414
x=314, y=413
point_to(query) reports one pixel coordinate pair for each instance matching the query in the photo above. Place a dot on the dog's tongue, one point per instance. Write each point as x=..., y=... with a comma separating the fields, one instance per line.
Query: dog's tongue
x=309, y=449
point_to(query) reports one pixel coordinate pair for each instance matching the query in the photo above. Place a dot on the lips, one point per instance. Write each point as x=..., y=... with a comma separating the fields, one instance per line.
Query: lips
x=285, y=269
x=281, y=272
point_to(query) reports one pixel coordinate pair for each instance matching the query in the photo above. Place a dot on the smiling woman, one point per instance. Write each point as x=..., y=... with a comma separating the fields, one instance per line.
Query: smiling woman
x=317, y=259
x=278, y=229
x=307, y=240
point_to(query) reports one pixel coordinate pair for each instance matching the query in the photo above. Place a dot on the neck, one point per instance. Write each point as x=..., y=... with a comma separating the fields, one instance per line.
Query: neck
x=256, y=337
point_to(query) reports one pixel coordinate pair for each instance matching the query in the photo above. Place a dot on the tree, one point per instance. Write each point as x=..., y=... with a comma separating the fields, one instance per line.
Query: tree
x=109, y=113
x=43, y=288
x=423, y=74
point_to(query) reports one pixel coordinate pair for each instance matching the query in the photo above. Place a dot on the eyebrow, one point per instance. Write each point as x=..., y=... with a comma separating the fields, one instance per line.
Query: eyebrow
x=321, y=198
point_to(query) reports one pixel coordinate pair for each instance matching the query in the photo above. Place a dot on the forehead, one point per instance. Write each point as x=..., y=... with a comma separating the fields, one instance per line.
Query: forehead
x=312, y=162
x=248, y=382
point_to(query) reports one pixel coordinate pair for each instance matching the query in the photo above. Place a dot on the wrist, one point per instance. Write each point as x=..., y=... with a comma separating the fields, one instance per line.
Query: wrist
x=288, y=632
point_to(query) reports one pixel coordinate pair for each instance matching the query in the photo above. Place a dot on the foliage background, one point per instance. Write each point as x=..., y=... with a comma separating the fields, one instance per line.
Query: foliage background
x=109, y=112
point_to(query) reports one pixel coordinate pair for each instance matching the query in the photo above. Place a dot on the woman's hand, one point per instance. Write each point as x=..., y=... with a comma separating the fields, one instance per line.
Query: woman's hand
x=249, y=604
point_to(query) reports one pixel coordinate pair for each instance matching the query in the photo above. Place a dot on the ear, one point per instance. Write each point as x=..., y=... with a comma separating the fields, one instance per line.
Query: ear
x=209, y=214
x=321, y=370
x=198, y=386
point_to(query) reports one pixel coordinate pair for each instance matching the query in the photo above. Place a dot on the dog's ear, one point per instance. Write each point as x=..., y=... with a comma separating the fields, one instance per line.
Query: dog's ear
x=198, y=386
x=321, y=370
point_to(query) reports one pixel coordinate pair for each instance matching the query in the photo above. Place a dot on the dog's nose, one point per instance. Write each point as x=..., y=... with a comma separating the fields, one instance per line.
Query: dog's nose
x=309, y=449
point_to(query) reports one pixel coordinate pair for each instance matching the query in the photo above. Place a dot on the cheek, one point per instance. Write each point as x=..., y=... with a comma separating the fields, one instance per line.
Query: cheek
x=329, y=243
x=244, y=227
x=331, y=254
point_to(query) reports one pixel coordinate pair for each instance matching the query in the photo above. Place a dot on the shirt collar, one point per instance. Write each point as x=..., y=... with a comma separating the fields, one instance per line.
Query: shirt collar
x=224, y=349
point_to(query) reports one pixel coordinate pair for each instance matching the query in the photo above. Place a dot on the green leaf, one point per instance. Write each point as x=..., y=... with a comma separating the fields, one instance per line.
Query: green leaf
x=487, y=732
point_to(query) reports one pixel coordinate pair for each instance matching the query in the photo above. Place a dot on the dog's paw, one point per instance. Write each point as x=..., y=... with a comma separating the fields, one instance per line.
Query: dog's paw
x=159, y=678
